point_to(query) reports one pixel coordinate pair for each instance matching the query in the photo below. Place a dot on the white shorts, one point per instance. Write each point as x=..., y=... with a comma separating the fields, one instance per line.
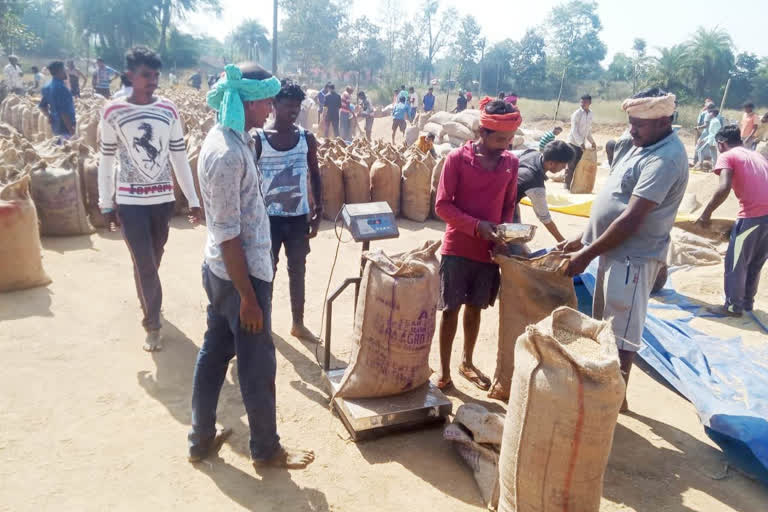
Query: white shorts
x=622, y=292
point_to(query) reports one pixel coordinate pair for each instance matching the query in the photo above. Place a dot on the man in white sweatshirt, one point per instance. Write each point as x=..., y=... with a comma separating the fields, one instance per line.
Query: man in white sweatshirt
x=145, y=132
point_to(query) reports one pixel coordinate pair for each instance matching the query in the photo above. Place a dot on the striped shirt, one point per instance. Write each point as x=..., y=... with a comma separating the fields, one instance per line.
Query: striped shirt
x=284, y=177
x=145, y=139
x=546, y=139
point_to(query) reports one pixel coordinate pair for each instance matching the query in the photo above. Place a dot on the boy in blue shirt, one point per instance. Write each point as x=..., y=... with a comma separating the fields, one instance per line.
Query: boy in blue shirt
x=57, y=103
x=401, y=114
x=429, y=100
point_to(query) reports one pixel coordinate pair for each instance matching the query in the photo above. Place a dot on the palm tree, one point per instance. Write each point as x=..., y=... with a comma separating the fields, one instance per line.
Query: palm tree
x=711, y=59
x=179, y=8
x=672, y=68
x=250, y=39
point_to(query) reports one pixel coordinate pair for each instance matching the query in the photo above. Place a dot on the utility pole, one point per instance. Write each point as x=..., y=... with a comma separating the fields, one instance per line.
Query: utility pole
x=274, y=38
x=447, y=89
x=560, y=94
x=482, y=57
x=725, y=94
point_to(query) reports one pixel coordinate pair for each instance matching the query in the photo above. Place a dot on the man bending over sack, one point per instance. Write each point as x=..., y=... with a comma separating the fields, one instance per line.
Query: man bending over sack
x=477, y=190
x=237, y=273
x=631, y=218
x=746, y=172
x=145, y=131
x=532, y=176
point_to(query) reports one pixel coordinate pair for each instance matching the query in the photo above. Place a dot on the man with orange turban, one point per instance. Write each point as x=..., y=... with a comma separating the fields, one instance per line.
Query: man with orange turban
x=477, y=190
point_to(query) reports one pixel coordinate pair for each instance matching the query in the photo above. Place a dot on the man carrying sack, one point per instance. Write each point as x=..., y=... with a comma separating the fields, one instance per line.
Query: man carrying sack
x=581, y=132
x=477, y=190
x=238, y=273
x=631, y=218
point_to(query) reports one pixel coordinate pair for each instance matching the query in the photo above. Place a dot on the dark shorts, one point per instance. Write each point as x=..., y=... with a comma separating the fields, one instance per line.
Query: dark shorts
x=398, y=123
x=465, y=281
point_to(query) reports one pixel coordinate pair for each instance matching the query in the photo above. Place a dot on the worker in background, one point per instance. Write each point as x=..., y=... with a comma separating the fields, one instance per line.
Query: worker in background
x=477, y=191
x=57, y=103
x=287, y=159
x=549, y=136
x=102, y=78
x=332, y=108
x=701, y=120
x=74, y=76
x=37, y=76
x=400, y=116
x=706, y=150
x=532, y=177
x=426, y=144
x=237, y=274
x=461, y=103
x=748, y=125
x=581, y=132
x=14, y=75
x=196, y=79
x=631, y=218
x=347, y=114
x=428, y=101
x=366, y=112
x=144, y=132
x=746, y=172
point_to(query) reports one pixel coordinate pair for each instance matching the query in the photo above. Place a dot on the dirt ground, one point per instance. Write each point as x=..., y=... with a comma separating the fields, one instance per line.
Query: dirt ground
x=90, y=422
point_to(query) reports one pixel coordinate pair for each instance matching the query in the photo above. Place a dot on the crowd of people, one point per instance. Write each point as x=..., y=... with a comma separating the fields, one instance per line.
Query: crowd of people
x=260, y=186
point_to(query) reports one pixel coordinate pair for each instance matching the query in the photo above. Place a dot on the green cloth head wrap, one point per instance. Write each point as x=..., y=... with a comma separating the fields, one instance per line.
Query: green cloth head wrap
x=229, y=93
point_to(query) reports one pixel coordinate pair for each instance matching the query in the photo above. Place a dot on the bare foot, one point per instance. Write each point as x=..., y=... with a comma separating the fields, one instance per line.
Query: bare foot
x=287, y=458
x=444, y=382
x=200, y=453
x=153, y=342
x=303, y=333
x=475, y=376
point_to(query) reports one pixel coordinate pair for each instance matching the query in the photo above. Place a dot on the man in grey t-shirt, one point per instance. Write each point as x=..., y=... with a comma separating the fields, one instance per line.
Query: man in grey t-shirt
x=631, y=218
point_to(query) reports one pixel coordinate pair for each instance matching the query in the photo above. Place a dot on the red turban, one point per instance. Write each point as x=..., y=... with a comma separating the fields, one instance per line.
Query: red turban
x=509, y=122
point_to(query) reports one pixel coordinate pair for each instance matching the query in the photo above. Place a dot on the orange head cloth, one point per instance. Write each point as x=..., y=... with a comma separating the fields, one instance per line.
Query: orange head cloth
x=509, y=122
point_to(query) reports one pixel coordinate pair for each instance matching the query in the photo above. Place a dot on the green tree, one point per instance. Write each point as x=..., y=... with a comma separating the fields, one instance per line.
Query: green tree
x=620, y=69
x=438, y=27
x=466, y=49
x=574, y=41
x=43, y=18
x=249, y=40
x=183, y=50
x=529, y=62
x=179, y=9
x=760, y=91
x=671, y=70
x=14, y=34
x=711, y=60
x=497, y=68
x=310, y=30
x=640, y=63
x=360, y=48
x=743, y=79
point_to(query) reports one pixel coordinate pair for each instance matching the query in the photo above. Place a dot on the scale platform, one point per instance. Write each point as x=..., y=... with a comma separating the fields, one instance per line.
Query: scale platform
x=366, y=418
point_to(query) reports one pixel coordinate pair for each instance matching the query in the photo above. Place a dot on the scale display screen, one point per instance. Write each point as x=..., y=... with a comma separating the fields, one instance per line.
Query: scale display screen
x=370, y=221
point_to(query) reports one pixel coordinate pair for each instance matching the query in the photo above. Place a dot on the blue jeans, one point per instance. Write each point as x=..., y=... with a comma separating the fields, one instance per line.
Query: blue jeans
x=256, y=367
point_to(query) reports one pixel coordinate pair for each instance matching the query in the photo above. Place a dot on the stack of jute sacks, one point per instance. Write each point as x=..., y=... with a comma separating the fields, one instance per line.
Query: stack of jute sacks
x=454, y=130
x=361, y=172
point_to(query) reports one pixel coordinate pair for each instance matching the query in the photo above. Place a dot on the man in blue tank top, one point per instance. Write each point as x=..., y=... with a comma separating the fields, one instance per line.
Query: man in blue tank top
x=287, y=158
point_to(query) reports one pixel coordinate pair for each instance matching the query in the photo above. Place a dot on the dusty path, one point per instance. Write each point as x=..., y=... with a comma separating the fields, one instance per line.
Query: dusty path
x=92, y=423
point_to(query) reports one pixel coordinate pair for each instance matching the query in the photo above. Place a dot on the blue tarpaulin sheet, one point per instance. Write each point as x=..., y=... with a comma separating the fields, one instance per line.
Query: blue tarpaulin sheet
x=725, y=380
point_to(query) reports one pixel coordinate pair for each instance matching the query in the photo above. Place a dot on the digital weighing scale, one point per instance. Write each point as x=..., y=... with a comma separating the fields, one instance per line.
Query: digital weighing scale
x=369, y=417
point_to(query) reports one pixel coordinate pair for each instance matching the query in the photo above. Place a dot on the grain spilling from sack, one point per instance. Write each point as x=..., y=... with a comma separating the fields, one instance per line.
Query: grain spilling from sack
x=58, y=196
x=585, y=173
x=417, y=186
x=566, y=393
x=21, y=263
x=394, y=323
x=530, y=290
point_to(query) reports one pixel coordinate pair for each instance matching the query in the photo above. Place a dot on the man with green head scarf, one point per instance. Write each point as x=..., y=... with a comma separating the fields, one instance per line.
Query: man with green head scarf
x=238, y=272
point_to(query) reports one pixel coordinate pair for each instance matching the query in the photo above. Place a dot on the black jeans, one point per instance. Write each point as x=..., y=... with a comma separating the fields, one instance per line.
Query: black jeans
x=572, y=165
x=291, y=233
x=332, y=122
x=145, y=230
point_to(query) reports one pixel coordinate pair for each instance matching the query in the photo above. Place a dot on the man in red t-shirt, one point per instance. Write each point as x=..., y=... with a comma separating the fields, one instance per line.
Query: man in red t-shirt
x=746, y=172
x=478, y=189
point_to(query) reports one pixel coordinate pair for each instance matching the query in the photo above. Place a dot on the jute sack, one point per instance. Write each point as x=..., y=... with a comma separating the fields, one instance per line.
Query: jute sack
x=441, y=117
x=566, y=393
x=385, y=184
x=58, y=197
x=411, y=135
x=91, y=175
x=21, y=264
x=433, y=128
x=585, y=173
x=417, y=184
x=333, y=188
x=458, y=131
x=436, y=173
x=482, y=459
x=357, y=181
x=530, y=290
x=394, y=323
x=469, y=118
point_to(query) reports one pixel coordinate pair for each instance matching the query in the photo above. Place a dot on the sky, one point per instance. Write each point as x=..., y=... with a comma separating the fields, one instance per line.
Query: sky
x=660, y=22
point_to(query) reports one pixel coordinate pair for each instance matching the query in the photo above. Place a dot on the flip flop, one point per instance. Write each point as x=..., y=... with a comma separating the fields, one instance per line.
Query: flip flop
x=475, y=377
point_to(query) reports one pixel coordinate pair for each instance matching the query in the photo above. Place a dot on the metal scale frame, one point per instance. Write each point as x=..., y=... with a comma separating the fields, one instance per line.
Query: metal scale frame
x=366, y=418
